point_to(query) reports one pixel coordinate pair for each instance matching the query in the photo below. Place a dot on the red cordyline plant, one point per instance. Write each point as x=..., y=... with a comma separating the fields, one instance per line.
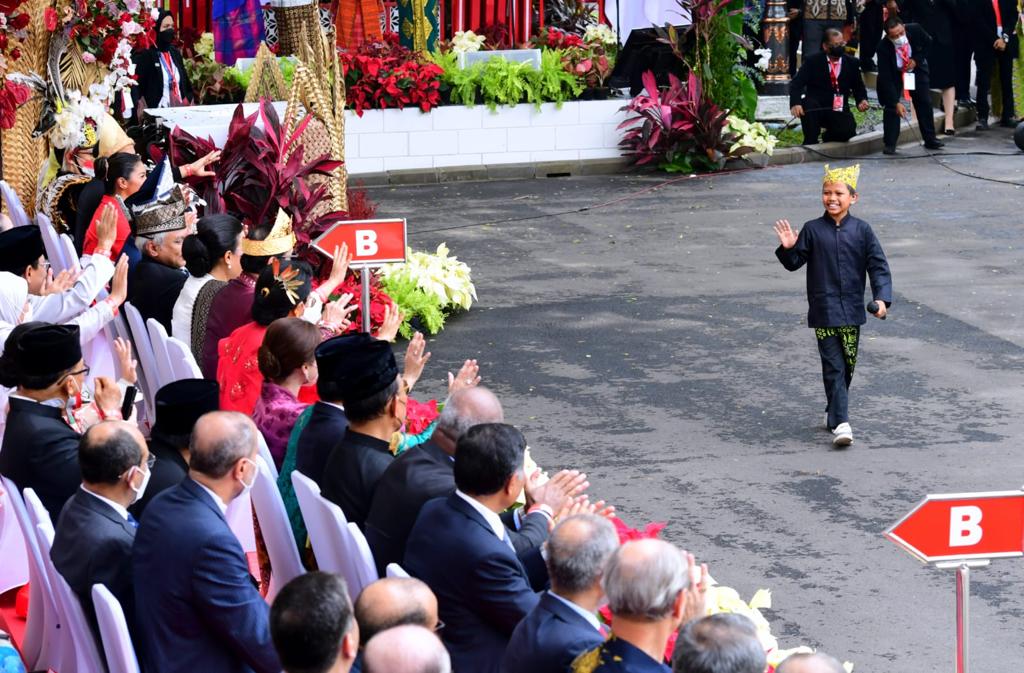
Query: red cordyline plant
x=387, y=75
x=677, y=129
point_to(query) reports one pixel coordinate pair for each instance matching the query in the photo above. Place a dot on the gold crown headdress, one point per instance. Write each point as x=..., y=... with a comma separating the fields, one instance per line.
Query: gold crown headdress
x=279, y=241
x=287, y=279
x=845, y=174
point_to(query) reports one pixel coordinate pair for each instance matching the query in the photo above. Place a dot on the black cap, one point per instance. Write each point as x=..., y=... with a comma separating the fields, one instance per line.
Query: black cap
x=49, y=349
x=180, y=404
x=20, y=247
x=357, y=364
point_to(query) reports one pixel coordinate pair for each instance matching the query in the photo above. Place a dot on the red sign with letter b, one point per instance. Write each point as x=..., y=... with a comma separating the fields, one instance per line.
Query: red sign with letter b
x=371, y=242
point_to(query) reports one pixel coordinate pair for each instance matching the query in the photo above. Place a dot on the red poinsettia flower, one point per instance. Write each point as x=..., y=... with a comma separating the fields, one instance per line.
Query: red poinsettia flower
x=419, y=415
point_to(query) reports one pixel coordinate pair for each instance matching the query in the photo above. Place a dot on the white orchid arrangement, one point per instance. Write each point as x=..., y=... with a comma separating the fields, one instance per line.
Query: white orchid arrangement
x=764, y=57
x=438, y=274
x=70, y=120
x=751, y=134
x=600, y=34
x=465, y=41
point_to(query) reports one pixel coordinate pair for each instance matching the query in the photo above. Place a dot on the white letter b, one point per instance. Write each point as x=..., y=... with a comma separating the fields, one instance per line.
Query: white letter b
x=964, y=528
x=366, y=243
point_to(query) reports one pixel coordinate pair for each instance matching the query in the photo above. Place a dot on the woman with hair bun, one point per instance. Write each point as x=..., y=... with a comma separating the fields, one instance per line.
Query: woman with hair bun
x=287, y=363
x=122, y=174
x=212, y=257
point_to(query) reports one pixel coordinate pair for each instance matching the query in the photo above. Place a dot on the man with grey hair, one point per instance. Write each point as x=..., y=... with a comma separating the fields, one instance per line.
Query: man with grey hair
x=651, y=590
x=196, y=605
x=406, y=649
x=564, y=623
x=720, y=643
x=810, y=662
x=425, y=472
x=157, y=280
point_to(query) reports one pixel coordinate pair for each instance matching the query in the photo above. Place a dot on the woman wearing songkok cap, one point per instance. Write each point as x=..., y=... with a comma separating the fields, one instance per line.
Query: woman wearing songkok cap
x=284, y=289
x=40, y=443
x=178, y=406
x=232, y=307
x=160, y=231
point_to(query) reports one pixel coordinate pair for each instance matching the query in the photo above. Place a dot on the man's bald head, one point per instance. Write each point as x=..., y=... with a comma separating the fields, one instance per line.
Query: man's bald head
x=578, y=549
x=406, y=649
x=643, y=578
x=469, y=407
x=109, y=449
x=805, y=662
x=395, y=601
x=219, y=440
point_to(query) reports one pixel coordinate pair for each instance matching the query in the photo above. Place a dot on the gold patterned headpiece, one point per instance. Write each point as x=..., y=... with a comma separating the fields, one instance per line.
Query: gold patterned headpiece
x=845, y=174
x=288, y=280
x=279, y=241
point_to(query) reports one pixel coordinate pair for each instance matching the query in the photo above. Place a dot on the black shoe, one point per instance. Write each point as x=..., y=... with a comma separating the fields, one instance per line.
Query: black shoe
x=950, y=132
x=1007, y=123
x=868, y=67
x=889, y=150
x=934, y=145
x=982, y=125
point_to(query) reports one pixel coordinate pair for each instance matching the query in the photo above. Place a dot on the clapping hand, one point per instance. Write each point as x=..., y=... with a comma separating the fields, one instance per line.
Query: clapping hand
x=695, y=595
x=556, y=492
x=63, y=282
x=787, y=237
x=468, y=377
x=119, y=286
x=106, y=228
x=416, y=359
x=123, y=349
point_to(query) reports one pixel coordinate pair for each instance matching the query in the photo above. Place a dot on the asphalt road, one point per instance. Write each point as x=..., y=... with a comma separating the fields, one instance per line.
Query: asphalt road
x=657, y=344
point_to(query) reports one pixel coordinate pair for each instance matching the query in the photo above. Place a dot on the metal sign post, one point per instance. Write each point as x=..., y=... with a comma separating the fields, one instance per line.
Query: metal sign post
x=364, y=298
x=961, y=531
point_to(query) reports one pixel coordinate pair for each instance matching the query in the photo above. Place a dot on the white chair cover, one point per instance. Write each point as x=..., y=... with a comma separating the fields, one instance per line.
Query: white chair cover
x=158, y=337
x=144, y=351
x=14, y=569
x=395, y=570
x=70, y=254
x=58, y=650
x=183, y=363
x=362, y=560
x=117, y=643
x=38, y=648
x=82, y=654
x=239, y=516
x=333, y=544
x=268, y=459
x=14, y=208
x=55, y=251
x=276, y=529
x=119, y=328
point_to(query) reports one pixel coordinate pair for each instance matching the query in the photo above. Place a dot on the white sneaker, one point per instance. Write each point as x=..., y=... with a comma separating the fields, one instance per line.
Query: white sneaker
x=842, y=435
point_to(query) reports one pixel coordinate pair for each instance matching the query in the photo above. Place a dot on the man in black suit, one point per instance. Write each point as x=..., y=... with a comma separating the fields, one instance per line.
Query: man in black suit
x=994, y=44
x=156, y=282
x=819, y=94
x=197, y=607
x=903, y=70
x=40, y=446
x=178, y=406
x=462, y=550
x=564, y=623
x=93, y=540
x=327, y=421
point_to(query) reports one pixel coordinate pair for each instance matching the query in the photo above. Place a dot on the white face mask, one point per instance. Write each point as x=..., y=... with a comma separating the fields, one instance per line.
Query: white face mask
x=248, y=487
x=141, y=489
x=900, y=41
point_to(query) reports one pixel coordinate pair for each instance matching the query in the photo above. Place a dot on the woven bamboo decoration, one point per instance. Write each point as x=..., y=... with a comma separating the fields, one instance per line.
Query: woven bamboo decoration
x=266, y=80
x=75, y=73
x=23, y=155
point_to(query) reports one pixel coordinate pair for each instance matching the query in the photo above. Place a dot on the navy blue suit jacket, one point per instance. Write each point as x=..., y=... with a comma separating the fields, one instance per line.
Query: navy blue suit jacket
x=196, y=605
x=549, y=638
x=839, y=262
x=481, y=586
x=326, y=426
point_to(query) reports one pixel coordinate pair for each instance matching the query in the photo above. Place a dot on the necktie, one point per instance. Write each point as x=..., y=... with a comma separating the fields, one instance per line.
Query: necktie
x=132, y=521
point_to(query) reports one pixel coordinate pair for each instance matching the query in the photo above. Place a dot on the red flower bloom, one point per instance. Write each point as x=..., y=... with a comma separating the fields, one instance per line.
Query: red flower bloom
x=18, y=21
x=50, y=18
x=419, y=415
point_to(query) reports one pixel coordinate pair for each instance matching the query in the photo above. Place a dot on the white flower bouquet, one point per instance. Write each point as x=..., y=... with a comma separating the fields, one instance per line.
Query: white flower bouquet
x=751, y=134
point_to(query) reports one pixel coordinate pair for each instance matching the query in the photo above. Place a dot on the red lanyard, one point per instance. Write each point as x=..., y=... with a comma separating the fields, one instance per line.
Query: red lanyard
x=833, y=73
x=905, y=55
x=999, y=16
x=168, y=64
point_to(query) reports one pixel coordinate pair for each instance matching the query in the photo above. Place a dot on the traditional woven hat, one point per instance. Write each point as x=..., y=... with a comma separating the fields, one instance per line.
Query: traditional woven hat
x=162, y=215
x=279, y=241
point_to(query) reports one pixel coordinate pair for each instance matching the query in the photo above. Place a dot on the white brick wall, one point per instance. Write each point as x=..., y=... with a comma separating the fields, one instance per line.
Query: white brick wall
x=451, y=136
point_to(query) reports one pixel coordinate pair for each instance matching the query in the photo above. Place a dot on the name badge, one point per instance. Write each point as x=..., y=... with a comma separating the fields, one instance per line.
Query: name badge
x=837, y=103
x=909, y=81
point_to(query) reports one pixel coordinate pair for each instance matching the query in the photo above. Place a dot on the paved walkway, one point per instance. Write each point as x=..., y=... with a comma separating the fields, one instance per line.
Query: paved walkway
x=658, y=344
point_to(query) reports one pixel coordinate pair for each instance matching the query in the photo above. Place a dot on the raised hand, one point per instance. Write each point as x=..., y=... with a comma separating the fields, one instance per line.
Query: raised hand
x=119, y=286
x=339, y=269
x=123, y=349
x=468, y=377
x=695, y=595
x=392, y=320
x=337, y=312
x=556, y=492
x=106, y=228
x=415, y=360
x=63, y=282
x=107, y=395
x=787, y=237
x=199, y=168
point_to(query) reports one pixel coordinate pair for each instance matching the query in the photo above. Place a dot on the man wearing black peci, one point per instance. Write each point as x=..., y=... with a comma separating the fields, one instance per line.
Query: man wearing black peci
x=903, y=78
x=819, y=93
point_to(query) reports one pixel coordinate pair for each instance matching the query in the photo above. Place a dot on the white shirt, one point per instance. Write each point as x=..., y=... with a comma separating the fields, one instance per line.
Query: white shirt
x=216, y=499
x=899, y=56
x=116, y=507
x=589, y=616
x=181, y=317
x=490, y=517
x=165, y=96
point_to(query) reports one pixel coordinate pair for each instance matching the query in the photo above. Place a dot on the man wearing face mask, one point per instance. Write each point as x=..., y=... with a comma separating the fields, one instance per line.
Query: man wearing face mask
x=163, y=80
x=196, y=605
x=819, y=93
x=40, y=445
x=903, y=78
x=95, y=532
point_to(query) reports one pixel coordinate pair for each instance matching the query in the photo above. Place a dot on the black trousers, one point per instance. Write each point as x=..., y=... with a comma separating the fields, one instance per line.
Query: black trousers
x=963, y=51
x=796, y=31
x=839, y=126
x=922, y=101
x=837, y=373
x=986, y=60
x=870, y=31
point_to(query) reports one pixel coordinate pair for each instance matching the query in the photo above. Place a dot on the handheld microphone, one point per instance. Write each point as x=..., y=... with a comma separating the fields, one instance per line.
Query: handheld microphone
x=873, y=309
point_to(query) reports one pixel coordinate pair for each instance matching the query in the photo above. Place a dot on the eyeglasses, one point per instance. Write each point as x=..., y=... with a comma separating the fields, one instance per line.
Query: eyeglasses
x=85, y=371
x=439, y=627
x=150, y=461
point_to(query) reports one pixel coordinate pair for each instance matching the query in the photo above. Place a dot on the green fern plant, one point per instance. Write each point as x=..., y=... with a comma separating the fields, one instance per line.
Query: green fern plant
x=462, y=84
x=504, y=82
x=553, y=83
x=415, y=304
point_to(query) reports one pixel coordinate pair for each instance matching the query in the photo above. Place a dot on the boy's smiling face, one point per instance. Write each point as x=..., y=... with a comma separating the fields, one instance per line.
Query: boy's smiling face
x=837, y=198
